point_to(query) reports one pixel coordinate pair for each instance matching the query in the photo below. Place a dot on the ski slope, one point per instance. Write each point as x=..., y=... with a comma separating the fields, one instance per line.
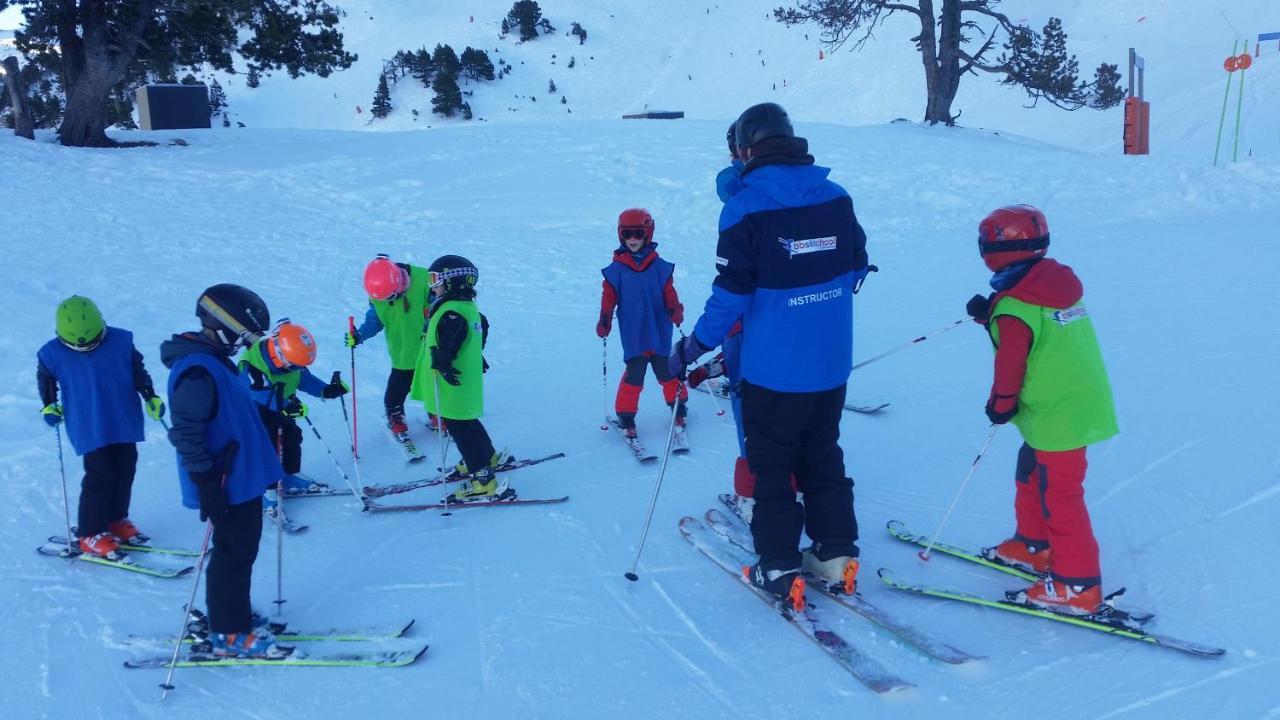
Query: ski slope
x=526, y=609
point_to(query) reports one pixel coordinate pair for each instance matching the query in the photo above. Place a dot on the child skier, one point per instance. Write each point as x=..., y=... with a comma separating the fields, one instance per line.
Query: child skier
x=276, y=369
x=450, y=376
x=1051, y=383
x=399, y=294
x=99, y=370
x=225, y=461
x=639, y=284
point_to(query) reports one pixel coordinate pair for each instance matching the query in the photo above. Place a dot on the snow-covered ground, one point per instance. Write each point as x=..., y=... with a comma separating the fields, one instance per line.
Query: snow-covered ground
x=526, y=609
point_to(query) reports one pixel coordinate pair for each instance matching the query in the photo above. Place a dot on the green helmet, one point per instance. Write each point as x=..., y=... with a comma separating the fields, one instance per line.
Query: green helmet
x=79, y=323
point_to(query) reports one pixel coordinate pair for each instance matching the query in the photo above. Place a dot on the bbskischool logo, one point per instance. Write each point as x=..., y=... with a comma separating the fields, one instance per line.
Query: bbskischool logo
x=1070, y=315
x=808, y=245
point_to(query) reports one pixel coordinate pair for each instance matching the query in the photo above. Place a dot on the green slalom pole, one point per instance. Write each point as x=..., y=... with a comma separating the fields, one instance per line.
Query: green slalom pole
x=1223, y=119
x=1235, y=150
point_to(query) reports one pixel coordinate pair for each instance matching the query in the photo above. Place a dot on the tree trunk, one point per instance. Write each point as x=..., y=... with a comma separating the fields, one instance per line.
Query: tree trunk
x=23, y=124
x=945, y=83
x=938, y=108
x=84, y=122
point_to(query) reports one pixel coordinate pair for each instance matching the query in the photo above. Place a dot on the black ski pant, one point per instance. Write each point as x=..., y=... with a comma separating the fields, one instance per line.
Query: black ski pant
x=285, y=436
x=473, y=442
x=235, y=548
x=798, y=433
x=106, y=488
x=398, y=384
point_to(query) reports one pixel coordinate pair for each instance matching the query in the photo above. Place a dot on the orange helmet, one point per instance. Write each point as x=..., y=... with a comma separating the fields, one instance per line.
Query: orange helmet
x=384, y=280
x=635, y=222
x=290, y=346
x=1012, y=234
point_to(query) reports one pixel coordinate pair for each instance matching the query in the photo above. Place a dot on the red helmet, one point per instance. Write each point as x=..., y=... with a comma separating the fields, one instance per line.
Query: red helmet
x=1012, y=234
x=633, y=221
x=290, y=346
x=384, y=280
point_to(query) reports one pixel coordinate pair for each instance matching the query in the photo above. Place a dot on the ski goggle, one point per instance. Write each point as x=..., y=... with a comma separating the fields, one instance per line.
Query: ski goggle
x=235, y=333
x=437, y=278
x=87, y=345
x=633, y=233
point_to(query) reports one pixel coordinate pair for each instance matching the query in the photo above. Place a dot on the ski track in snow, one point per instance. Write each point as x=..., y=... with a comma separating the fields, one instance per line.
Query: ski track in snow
x=1267, y=494
x=1148, y=702
x=1122, y=485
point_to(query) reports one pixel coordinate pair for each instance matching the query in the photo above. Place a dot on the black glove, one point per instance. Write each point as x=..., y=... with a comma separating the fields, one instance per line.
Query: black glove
x=1000, y=418
x=336, y=388
x=484, y=364
x=979, y=308
x=213, y=499
x=443, y=364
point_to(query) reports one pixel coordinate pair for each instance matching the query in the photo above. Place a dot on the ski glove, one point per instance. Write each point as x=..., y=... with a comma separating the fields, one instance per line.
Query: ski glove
x=860, y=275
x=351, y=338
x=979, y=308
x=677, y=314
x=155, y=407
x=444, y=365
x=713, y=368
x=605, y=325
x=52, y=414
x=998, y=417
x=687, y=350
x=213, y=501
x=295, y=408
x=336, y=388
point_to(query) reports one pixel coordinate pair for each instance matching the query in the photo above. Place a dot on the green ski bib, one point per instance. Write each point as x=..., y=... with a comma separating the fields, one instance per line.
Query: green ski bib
x=457, y=402
x=403, y=317
x=1066, y=399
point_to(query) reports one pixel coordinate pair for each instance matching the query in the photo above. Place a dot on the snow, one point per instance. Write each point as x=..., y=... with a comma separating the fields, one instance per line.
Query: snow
x=526, y=609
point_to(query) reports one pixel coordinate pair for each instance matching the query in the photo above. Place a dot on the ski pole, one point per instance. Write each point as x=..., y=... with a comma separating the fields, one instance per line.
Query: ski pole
x=167, y=685
x=924, y=554
x=604, y=381
x=66, y=506
x=229, y=453
x=279, y=601
x=355, y=414
x=653, y=502
x=909, y=343
x=332, y=457
x=358, y=488
x=444, y=439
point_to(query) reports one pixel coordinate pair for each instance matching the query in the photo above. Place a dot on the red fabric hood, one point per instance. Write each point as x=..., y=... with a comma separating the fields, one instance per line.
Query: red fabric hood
x=1049, y=283
x=624, y=256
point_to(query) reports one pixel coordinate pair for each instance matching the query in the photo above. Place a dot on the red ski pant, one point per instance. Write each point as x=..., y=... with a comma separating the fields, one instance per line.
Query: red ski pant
x=1050, y=509
x=628, y=398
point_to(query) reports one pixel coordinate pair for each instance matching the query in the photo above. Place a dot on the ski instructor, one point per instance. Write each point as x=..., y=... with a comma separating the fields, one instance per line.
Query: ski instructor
x=789, y=259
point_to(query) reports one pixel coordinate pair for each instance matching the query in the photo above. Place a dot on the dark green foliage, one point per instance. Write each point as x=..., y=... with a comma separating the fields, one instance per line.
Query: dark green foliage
x=572, y=61
x=1106, y=87
x=218, y=101
x=466, y=111
x=102, y=49
x=551, y=86
x=577, y=30
x=253, y=78
x=526, y=15
x=446, y=60
x=476, y=65
x=381, y=99
x=448, y=98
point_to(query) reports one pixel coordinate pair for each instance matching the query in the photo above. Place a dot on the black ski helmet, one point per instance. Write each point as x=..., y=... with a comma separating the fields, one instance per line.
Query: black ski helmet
x=731, y=136
x=234, y=313
x=761, y=122
x=454, y=273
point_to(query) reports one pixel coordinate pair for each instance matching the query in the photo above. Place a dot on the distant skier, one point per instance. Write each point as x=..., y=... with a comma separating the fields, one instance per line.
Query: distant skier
x=640, y=285
x=399, y=294
x=225, y=461
x=451, y=364
x=276, y=369
x=1051, y=383
x=100, y=373
x=790, y=256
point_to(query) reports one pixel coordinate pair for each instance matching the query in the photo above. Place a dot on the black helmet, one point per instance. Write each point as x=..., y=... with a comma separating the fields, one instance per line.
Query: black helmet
x=731, y=136
x=761, y=122
x=234, y=313
x=454, y=273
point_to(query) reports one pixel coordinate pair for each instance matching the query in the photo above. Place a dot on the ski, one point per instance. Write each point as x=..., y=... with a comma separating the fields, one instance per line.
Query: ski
x=738, y=535
x=380, y=658
x=325, y=492
x=406, y=443
x=714, y=387
x=680, y=440
x=293, y=527
x=811, y=622
x=900, y=532
x=1106, y=622
x=453, y=476
x=637, y=448
x=372, y=506
x=123, y=562
x=131, y=547
x=866, y=409
x=286, y=635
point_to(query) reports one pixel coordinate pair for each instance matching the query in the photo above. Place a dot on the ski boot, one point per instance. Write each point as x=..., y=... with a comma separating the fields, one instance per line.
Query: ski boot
x=198, y=625
x=627, y=424
x=299, y=484
x=102, y=545
x=1030, y=555
x=838, y=572
x=1059, y=597
x=396, y=424
x=482, y=486
x=499, y=458
x=435, y=424
x=126, y=532
x=785, y=585
x=254, y=644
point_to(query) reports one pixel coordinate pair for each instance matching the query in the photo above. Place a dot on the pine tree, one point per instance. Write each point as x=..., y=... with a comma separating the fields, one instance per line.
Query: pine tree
x=572, y=61
x=217, y=99
x=381, y=99
x=446, y=60
x=448, y=98
x=476, y=65
x=578, y=31
x=253, y=79
x=551, y=87
x=526, y=15
x=423, y=67
x=466, y=111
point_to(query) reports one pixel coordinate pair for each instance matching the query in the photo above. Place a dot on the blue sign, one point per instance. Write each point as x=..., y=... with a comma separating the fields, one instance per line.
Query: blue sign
x=1262, y=37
